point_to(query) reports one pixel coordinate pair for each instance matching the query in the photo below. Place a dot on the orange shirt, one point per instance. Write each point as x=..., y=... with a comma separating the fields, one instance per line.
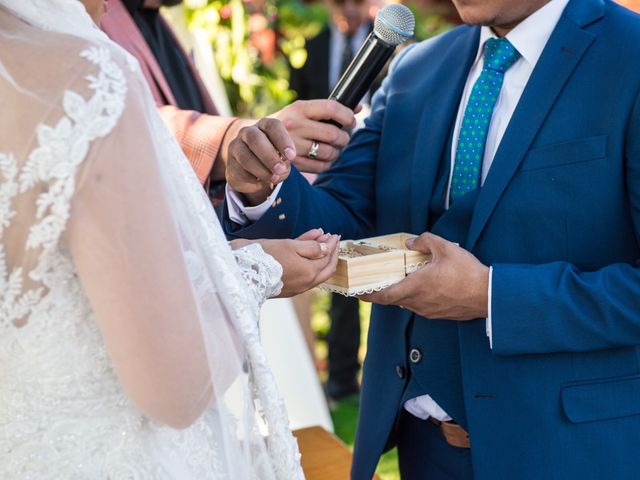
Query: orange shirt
x=631, y=4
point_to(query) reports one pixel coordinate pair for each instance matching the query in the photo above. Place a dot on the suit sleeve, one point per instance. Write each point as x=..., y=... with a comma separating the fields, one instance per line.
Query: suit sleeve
x=341, y=201
x=200, y=136
x=556, y=307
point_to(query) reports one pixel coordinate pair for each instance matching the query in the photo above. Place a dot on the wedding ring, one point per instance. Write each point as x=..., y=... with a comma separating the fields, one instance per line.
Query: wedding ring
x=313, y=151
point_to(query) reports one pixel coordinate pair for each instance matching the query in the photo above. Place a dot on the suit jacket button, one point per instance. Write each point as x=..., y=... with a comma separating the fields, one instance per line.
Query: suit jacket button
x=400, y=371
x=415, y=355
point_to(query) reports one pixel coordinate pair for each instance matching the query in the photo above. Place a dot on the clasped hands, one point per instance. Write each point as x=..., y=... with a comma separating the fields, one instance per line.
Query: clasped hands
x=453, y=285
x=306, y=261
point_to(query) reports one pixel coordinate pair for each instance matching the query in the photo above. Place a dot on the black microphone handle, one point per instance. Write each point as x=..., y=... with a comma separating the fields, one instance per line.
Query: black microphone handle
x=362, y=71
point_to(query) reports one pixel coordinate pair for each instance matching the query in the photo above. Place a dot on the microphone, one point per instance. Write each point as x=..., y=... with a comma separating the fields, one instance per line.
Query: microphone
x=393, y=25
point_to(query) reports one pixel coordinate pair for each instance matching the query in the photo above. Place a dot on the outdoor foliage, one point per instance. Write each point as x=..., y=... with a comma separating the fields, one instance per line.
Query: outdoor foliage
x=255, y=41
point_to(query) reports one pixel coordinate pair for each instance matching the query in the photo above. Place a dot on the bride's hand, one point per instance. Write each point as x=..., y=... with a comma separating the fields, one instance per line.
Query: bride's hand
x=306, y=261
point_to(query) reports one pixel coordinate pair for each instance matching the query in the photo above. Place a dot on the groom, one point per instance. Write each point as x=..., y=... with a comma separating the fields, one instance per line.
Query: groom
x=514, y=354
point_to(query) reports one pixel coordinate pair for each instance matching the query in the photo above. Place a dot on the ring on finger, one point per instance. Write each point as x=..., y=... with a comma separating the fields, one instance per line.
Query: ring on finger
x=313, y=151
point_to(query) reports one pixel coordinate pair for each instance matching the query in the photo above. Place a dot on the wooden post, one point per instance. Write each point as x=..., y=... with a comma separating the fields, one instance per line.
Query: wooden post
x=324, y=456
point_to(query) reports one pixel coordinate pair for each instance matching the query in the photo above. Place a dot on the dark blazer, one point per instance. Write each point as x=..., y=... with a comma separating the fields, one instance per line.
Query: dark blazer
x=558, y=218
x=312, y=80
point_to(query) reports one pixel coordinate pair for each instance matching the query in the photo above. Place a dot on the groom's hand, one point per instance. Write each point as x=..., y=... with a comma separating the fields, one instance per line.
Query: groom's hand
x=259, y=157
x=453, y=285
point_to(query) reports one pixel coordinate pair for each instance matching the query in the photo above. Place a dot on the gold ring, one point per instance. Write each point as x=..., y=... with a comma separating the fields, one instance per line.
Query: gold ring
x=313, y=151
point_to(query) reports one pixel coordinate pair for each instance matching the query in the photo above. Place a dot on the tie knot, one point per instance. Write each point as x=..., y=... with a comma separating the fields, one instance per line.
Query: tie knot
x=499, y=54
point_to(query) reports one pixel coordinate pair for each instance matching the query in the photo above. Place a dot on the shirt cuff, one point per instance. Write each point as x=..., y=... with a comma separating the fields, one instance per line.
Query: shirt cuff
x=241, y=214
x=489, y=331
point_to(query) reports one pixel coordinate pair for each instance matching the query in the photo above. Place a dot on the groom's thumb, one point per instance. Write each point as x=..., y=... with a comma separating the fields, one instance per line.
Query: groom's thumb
x=427, y=243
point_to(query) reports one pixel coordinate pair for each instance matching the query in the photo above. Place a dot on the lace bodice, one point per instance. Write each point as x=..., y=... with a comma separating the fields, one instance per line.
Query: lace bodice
x=63, y=410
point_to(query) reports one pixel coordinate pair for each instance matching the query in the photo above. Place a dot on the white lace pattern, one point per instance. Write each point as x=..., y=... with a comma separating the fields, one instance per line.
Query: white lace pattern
x=63, y=413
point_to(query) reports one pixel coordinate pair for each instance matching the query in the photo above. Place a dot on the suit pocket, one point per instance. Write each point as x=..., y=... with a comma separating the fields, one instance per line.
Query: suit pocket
x=602, y=399
x=566, y=153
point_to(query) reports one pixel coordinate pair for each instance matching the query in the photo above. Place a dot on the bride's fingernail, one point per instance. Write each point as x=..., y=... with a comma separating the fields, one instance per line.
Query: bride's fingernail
x=323, y=247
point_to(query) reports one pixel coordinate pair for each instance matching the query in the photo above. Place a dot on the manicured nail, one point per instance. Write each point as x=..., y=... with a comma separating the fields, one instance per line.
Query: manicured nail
x=323, y=247
x=289, y=153
x=280, y=169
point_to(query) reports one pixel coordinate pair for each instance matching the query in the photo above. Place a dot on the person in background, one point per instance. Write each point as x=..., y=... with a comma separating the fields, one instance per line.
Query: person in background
x=329, y=54
x=187, y=108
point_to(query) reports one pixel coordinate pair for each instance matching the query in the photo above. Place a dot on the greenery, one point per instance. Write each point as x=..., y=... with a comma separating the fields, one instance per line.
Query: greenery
x=345, y=413
x=256, y=41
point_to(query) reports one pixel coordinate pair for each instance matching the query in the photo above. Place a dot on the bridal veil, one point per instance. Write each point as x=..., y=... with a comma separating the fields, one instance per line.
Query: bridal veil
x=89, y=171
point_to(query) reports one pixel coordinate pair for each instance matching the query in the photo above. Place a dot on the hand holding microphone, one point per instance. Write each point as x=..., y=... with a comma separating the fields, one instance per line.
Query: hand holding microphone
x=260, y=156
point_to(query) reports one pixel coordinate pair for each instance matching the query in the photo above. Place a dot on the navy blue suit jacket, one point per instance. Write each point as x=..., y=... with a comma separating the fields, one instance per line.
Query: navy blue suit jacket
x=558, y=218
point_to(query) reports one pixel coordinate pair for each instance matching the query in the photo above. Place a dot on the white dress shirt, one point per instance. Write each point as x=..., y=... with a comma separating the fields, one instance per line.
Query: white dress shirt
x=529, y=38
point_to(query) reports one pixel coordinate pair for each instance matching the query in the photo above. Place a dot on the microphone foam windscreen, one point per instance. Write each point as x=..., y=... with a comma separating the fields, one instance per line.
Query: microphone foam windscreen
x=394, y=24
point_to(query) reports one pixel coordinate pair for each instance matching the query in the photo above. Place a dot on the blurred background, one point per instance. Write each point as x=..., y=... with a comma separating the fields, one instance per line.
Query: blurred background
x=256, y=41
x=246, y=51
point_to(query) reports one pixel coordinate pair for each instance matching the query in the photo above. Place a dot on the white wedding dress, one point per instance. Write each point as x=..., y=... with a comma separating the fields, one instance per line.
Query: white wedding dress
x=129, y=344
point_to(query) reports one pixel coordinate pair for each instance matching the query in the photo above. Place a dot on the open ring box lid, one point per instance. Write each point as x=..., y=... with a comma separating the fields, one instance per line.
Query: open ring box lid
x=372, y=264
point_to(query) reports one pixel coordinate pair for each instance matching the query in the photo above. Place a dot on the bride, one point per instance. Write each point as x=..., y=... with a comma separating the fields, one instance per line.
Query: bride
x=129, y=342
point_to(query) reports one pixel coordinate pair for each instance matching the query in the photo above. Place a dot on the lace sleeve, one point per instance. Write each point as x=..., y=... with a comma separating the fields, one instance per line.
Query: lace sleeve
x=261, y=272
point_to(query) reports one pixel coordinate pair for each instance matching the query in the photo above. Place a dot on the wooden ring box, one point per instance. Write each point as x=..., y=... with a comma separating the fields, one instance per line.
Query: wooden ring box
x=372, y=264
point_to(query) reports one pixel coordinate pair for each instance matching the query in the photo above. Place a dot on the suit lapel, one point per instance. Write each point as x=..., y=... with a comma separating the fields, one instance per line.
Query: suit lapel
x=563, y=52
x=441, y=100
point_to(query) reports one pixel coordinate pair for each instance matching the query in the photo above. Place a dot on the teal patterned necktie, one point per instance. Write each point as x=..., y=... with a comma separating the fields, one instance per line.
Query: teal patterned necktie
x=499, y=56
